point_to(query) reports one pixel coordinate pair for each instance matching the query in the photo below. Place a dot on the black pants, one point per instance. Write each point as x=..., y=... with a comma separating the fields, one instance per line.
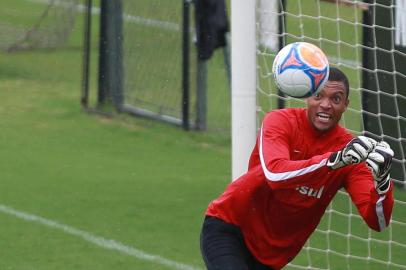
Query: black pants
x=223, y=248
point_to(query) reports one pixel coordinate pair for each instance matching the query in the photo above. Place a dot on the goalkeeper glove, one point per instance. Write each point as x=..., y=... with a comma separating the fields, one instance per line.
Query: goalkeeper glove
x=354, y=152
x=379, y=161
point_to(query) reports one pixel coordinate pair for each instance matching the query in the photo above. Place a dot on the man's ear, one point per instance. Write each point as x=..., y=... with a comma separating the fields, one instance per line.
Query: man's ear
x=347, y=102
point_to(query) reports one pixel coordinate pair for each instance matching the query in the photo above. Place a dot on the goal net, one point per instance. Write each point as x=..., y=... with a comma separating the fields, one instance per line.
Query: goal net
x=368, y=42
x=31, y=24
x=152, y=48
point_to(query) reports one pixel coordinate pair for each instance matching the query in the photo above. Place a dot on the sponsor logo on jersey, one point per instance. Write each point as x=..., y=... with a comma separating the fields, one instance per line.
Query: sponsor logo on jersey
x=311, y=192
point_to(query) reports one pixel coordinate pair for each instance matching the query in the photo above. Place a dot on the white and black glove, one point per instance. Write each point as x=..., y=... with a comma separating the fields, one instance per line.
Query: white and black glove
x=354, y=152
x=379, y=162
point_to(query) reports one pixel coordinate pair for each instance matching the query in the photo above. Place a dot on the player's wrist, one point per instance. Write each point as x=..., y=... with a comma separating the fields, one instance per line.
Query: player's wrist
x=356, y=151
x=382, y=185
x=335, y=161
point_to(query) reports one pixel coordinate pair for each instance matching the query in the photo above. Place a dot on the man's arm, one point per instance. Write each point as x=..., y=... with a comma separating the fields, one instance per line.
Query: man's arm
x=370, y=187
x=274, y=142
x=375, y=208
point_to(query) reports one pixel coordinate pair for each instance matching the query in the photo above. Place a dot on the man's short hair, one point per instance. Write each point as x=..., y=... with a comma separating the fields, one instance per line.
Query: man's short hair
x=336, y=75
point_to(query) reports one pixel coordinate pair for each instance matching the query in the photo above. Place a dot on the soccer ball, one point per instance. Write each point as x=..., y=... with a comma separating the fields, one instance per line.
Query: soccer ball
x=300, y=69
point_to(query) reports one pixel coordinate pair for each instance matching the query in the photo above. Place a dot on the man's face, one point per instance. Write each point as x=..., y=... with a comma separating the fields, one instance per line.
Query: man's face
x=325, y=109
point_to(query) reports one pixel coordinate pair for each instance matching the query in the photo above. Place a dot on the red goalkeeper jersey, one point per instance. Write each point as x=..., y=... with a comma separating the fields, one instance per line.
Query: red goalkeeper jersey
x=280, y=200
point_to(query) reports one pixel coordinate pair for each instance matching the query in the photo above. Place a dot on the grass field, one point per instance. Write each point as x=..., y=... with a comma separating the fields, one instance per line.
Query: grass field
x=142, y=184
x=82, y=191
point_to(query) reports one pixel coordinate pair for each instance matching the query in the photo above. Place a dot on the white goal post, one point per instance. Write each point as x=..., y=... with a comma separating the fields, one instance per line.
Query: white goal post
x=243, y=83
x=367, y=40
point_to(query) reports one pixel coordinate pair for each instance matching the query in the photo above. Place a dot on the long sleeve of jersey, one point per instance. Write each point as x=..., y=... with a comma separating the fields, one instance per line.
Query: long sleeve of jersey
x=281, y=199
x=375, y=209
x=292, y=154
x=276, y=143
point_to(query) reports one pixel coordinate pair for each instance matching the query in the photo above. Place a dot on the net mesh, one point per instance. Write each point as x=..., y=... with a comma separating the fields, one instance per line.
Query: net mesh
x=30, y=24
x=342, y=240
x=152, y=51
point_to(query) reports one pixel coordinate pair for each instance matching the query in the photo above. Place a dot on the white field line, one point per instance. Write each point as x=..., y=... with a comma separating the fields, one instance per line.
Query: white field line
x=171, y=26
x=97, y=240
x=129, y=18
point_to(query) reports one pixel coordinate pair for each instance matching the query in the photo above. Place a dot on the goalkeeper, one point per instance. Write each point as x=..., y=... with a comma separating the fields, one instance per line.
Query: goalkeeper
x=302, y=157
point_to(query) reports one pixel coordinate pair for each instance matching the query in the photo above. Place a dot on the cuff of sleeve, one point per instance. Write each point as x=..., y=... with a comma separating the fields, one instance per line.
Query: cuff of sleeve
x=383, y=186
x=335, y=161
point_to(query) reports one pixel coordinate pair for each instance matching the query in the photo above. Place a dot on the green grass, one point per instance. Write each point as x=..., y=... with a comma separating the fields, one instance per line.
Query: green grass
x=20, y=13
x=138, y=182
x=141, y=183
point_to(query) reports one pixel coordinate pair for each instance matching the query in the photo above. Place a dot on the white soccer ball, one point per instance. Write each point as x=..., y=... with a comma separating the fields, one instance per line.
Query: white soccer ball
x=300, y=69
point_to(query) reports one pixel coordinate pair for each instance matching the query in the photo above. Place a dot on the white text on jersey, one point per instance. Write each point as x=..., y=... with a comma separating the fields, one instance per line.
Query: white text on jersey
x=311, y=192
